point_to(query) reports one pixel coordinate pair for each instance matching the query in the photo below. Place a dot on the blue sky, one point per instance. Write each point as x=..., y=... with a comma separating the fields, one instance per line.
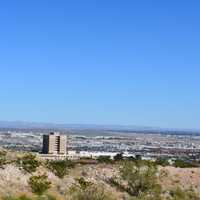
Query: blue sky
x=101, y=62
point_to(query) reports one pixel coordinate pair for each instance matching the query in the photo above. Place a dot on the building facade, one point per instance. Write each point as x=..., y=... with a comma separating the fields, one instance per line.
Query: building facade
x=55, y=144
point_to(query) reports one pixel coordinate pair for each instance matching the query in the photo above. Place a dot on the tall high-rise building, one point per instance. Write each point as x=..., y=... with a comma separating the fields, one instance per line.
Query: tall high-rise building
x=54, y=143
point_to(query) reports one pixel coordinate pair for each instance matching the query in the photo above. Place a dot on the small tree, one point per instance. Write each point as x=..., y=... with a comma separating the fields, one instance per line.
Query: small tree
x=138, y=157
x=118, y=157
x=141, y=180
x=39, y=184
x=60, y=167
x=29, y=163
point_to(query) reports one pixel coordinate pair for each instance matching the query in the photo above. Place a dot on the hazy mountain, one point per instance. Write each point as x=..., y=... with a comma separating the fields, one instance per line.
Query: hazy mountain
x=120, y=128
x=23, y=124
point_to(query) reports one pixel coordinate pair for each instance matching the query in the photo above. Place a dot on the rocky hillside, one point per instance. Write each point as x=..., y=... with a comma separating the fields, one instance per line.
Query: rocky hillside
x=24, y=174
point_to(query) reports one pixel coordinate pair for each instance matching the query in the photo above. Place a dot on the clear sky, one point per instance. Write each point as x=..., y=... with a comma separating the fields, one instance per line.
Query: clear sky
x=101, y=62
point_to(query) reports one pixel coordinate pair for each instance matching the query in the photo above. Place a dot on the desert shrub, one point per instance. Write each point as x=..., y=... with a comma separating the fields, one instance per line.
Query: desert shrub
x=50, y=197
x=83, y=184
x=141, y=180
x=25, y=197
x=163, y=173
x=130, y=158
x=45, y=197
x=39, y=184
x=92, y=193
x=60, y=167
x=153, y=196
x=2, y=158
x=29, y=163
x=183, y=164
x=115, y=182
x=162, y=162
x=138, y=157
x=118, y=157
x=85, y=190
x=179, y=194
x=104, y=159
x=86, y=161
x=22, y=197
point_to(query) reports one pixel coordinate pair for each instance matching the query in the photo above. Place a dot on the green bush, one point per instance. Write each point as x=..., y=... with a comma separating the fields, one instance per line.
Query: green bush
x=22, y=197
x=141, y=179
x=118, y=157
x=83, y=184
x=138, y=157
x=85, y=190
x=162, y=162
x=183, y=164
x=179, y=194
x=60, y=167
x=29, y=163
x=105, y=159
x=39, y=184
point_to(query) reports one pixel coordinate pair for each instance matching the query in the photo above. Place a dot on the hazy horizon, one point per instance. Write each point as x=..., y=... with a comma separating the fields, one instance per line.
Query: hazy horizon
x=35, y=124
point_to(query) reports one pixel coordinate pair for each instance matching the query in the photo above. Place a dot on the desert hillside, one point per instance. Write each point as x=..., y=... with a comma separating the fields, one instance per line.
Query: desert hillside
x=26, y=176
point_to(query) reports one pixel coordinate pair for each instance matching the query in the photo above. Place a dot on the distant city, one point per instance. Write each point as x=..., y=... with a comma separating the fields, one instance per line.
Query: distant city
x=148, y=143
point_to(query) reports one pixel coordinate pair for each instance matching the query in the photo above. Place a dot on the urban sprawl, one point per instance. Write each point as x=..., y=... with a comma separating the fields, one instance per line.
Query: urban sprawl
x=146, y=145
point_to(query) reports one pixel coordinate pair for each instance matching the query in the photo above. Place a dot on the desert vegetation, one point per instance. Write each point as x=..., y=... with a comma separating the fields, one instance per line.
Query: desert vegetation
x=2, y=158
x=26, y=177
x=28, y=163
x=60, y=167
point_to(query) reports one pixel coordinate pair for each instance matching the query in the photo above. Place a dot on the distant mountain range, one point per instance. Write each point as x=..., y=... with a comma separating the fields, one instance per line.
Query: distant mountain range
x=24, y=125
x=118, y=128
